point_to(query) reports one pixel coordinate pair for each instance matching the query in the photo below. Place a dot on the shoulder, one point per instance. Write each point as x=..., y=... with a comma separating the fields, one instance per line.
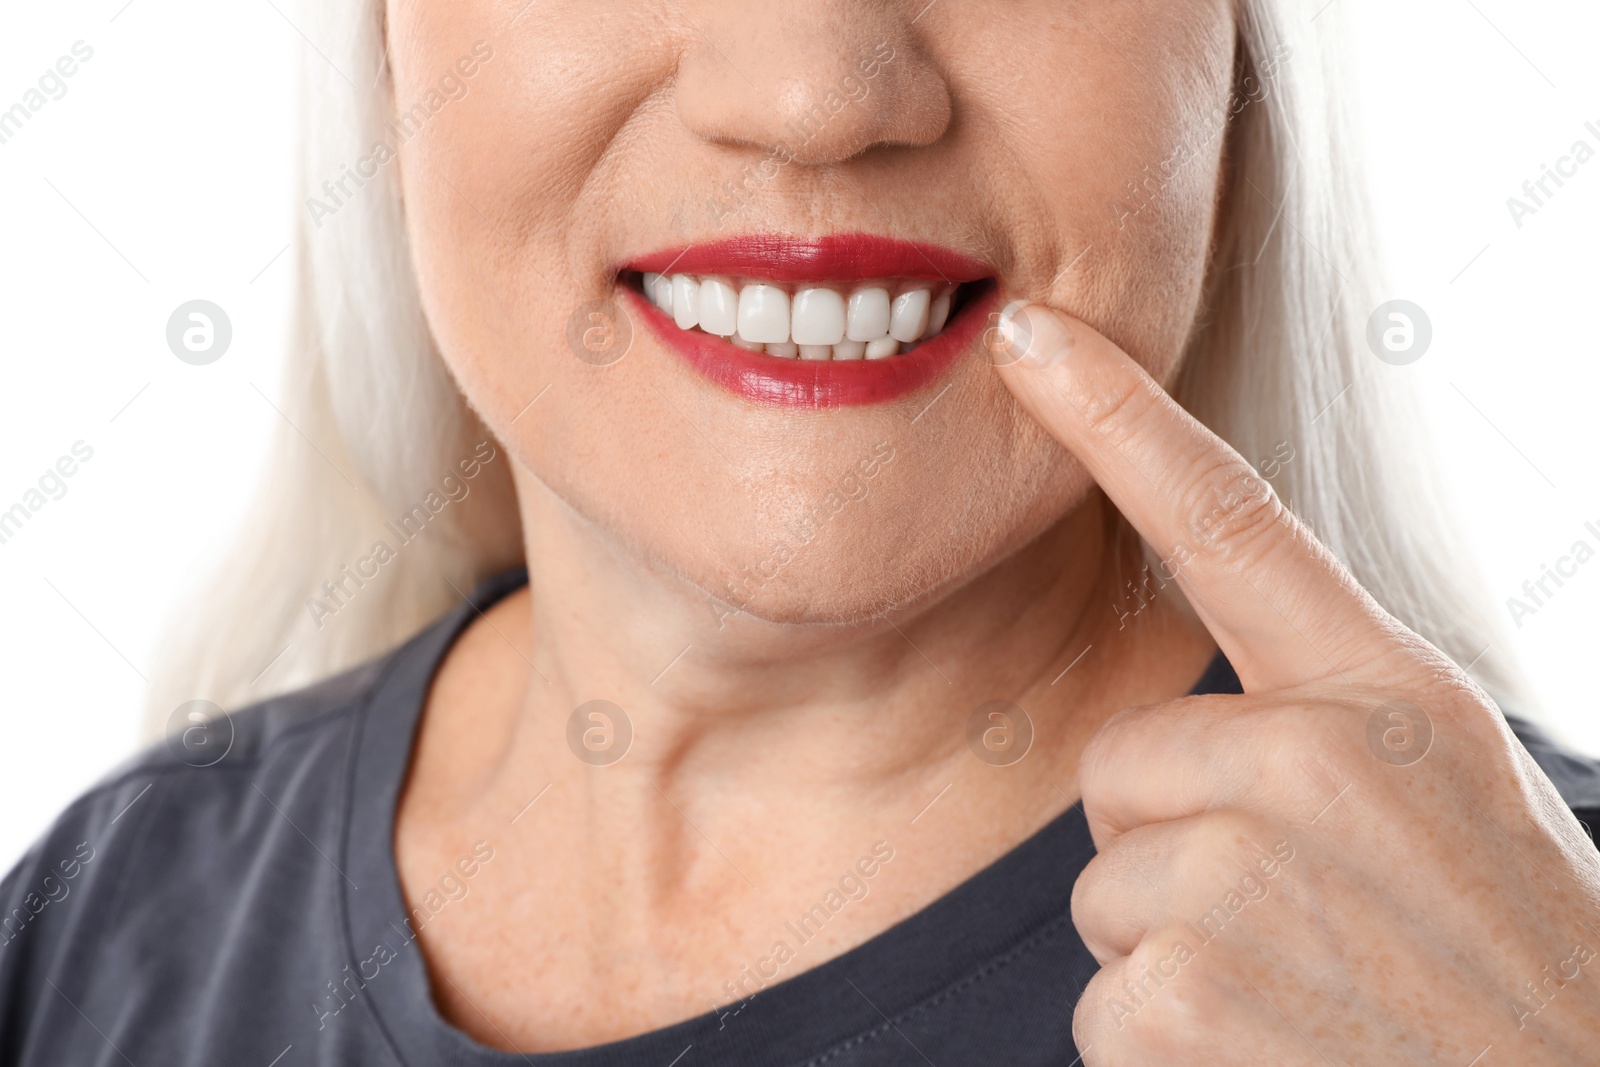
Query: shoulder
x=222, y=758
x=178, y=840
x=1575, y=776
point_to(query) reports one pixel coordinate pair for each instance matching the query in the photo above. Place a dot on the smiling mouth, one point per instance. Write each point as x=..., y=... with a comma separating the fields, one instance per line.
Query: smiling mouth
x=841, y=319
x=880, y=320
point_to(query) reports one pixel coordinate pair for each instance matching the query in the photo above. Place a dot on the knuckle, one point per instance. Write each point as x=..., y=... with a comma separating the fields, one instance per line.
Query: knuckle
x=1089, y=1016
x=1118, y=741
x=1186, y=1007
x=1224, y=841
x=1101, y=1021
x=1089, y=892
x=1116, y=409
x=1097, y=764
x=1156, y=1001
x=1104, y=901
x=1299, y=722
x=1307, y=747
x=1332, y=735
x=1230, y=510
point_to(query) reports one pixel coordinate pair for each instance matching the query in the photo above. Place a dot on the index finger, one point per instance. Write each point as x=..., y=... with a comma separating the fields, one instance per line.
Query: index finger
x=1282, y=608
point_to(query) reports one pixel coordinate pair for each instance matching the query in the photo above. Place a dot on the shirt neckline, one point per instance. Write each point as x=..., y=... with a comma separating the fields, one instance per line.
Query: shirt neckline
x=1003, y=909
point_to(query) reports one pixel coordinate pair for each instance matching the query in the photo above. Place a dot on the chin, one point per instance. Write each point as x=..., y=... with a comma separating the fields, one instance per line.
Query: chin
x=885, y=558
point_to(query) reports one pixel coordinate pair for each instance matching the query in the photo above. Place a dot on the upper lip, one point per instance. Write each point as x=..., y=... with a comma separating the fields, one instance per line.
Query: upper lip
x=838, y=257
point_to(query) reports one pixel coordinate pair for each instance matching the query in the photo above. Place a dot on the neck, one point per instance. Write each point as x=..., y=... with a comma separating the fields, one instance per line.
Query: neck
x=719, y=700
x=764, y=758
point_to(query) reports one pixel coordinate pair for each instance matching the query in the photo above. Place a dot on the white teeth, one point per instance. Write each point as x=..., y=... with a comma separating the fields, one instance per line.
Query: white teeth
x=719, y=307
x=685, y=301
x=817, y=323
x=661, y=292
x=818, y=317
x=910, y=315
x=938, y=313
x=869, y=315
x=764, y=313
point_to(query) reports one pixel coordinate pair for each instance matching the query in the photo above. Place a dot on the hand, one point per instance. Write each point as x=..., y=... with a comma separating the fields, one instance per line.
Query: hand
x=1352, y=863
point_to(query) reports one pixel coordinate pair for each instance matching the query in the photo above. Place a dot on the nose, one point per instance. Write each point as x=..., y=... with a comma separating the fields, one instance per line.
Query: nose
x=816, y=82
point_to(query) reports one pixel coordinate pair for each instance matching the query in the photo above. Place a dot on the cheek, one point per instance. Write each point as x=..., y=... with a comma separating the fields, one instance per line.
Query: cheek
x=510, y=190
x=1127, y=169
x=515, y=191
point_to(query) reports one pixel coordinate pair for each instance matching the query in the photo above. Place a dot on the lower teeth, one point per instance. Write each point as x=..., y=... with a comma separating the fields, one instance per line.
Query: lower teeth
x=882, y=348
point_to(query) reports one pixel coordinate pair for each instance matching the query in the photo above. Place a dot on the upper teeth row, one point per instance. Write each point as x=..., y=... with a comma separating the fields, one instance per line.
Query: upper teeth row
x=815, y=323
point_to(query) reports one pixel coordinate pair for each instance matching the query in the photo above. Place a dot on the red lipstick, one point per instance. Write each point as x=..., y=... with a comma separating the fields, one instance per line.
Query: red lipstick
x=838, y=260
x=838, y=257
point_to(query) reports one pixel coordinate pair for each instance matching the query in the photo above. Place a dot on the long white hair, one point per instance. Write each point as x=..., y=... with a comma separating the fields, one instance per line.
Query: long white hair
x=1278, y=356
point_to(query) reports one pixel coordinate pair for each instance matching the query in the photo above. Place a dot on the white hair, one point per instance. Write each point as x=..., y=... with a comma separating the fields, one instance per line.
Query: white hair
x=1278, y=355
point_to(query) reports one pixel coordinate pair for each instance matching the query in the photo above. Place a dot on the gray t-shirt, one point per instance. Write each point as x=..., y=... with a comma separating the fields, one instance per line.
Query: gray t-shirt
x=248, y=912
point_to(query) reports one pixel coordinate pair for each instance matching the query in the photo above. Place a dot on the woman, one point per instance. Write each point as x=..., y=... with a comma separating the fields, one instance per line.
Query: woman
x=899, y=674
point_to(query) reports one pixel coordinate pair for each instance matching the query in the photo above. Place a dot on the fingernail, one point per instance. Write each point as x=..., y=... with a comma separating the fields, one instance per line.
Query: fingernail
x=1032, y=338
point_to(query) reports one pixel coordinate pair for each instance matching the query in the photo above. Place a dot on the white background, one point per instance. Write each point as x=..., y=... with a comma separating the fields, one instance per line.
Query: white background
x=162, y=176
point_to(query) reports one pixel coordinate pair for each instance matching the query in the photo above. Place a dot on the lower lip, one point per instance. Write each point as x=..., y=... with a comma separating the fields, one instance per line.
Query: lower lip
x=820, y=383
